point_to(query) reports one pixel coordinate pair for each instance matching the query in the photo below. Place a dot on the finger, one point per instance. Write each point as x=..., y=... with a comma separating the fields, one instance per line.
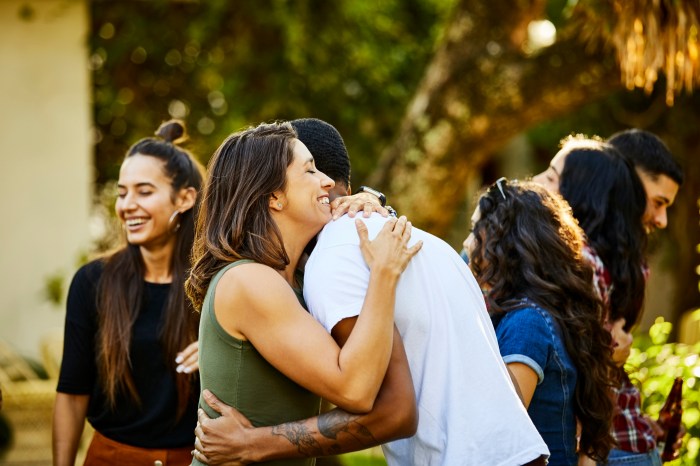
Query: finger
x=191, y=349
x=384, y=213
x=213, y=402
x=200, y=456
x=191, y=364
x=413, y=250
x=400, y=225
x=406, y=236
x=193, y=367
x=339, y=210
x=367, y=209
x=336, y=202
x=202, y=418
x=361, y=231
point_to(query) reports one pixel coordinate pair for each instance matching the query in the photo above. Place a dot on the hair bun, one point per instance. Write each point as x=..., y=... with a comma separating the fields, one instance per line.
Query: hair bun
x=172, y=131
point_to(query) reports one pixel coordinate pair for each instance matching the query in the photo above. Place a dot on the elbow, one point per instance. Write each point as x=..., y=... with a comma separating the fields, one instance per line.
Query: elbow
x=357, y=404
x=398, y=424
x=407, y=422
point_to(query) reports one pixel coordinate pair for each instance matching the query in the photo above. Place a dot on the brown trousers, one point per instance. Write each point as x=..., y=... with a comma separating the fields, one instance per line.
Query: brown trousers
x=107, y=452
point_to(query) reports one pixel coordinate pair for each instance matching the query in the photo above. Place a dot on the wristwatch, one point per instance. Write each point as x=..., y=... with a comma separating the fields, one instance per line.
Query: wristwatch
x=374, y=192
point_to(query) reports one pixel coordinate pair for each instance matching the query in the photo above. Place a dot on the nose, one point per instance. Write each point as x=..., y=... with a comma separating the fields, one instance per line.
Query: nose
x=661, y=218
x=327, y=182
x=127, y=202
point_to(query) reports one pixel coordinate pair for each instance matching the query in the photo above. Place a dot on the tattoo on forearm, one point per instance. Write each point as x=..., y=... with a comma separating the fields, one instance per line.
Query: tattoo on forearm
x=299, y=435
x=330, y=424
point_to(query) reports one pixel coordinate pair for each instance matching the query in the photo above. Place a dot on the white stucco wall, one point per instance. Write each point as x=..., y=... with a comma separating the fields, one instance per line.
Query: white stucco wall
x=45, y=148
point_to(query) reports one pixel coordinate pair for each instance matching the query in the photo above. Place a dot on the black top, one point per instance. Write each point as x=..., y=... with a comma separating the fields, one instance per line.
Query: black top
x=153, y=425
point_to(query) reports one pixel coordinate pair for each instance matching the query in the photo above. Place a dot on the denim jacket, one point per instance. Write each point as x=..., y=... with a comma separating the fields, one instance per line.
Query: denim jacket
x=531, y=336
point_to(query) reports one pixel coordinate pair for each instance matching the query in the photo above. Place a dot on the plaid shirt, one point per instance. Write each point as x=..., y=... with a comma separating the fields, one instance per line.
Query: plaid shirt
x=630, y=429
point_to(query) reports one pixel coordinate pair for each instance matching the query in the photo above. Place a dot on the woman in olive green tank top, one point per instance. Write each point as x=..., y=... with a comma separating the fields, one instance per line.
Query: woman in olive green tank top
x=260, y=350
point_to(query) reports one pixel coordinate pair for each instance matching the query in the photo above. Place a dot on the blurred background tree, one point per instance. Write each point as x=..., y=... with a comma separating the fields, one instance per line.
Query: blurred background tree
x=223, y=65
x=433, y=97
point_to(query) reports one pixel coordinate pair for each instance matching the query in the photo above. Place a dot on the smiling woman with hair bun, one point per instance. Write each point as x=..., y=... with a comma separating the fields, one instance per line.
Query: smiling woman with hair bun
x=130, y=352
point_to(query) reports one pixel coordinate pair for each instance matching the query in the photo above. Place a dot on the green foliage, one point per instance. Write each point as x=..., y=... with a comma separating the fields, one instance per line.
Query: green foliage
x=53, y=287
x=224, y=65
x=653, y=364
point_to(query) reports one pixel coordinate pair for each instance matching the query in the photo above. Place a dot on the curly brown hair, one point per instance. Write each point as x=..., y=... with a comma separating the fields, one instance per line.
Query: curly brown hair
x=528, y=246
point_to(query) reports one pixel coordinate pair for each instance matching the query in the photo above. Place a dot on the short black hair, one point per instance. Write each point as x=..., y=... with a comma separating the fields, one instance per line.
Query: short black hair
x=648, y=152
x=326, y=145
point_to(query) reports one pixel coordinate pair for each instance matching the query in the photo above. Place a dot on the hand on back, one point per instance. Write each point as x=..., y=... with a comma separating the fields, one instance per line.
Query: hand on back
x=388, y=251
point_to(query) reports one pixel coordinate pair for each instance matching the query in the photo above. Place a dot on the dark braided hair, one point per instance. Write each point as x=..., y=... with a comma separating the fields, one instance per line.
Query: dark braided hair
x=527, y=245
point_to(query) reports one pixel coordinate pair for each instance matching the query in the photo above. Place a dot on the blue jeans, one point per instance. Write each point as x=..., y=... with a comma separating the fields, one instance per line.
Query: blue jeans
x=626, y=458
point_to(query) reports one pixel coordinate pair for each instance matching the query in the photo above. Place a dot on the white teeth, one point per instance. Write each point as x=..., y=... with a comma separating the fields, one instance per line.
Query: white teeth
x=135, y=221
x=325, y=200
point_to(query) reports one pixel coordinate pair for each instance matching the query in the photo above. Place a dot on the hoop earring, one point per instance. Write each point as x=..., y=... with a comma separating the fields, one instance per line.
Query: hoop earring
x=172, y=228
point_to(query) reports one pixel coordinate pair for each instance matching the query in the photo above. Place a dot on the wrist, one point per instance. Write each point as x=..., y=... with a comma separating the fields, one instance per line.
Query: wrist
x=258, y=440
x=387, y=274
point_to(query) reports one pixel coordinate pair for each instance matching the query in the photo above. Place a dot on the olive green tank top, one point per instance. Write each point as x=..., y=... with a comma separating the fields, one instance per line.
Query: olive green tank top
x=235, y=372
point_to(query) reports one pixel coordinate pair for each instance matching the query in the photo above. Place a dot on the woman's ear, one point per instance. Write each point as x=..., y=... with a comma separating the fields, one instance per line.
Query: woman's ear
x=276, y=201
x=186, y=199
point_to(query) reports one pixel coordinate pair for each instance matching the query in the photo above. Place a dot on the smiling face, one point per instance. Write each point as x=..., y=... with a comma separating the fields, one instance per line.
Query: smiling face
x=661, y=192
x=306, y=198
x=145, y=202
x=550, y=177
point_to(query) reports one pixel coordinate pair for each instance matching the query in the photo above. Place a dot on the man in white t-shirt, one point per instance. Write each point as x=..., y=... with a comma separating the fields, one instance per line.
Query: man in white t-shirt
x=468, y=410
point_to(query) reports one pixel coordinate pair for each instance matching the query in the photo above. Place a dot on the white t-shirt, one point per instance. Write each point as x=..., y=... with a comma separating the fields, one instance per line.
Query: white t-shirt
x=469, y=412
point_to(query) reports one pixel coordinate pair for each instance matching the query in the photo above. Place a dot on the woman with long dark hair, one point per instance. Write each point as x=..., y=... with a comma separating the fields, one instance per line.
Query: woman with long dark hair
x=526, y=252
x=260, y=350
x=609, y=202
x=128, y=321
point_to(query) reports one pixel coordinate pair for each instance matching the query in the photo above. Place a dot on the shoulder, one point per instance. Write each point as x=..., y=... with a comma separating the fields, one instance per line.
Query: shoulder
x=249, y=281
x=532, y=324
x=531, y=316
x=89, y=274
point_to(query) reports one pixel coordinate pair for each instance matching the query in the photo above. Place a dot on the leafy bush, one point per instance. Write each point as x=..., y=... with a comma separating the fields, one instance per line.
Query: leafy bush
x=653, y=365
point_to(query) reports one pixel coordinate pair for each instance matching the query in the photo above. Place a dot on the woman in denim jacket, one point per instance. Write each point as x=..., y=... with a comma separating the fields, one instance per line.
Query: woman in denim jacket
x=526, y=252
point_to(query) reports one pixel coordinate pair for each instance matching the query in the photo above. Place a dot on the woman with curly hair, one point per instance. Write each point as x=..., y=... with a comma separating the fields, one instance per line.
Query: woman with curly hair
x=526, y=252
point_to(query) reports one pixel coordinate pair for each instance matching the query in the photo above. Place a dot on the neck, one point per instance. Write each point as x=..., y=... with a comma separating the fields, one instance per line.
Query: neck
x=295, y=240
x=157, y=263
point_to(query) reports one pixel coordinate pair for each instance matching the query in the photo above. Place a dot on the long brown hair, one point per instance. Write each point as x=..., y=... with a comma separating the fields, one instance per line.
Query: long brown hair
x=235, y=221
x=121, y=288
x=527, y=245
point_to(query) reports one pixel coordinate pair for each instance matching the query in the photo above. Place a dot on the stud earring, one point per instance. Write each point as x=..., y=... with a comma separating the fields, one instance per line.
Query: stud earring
x=279, y=205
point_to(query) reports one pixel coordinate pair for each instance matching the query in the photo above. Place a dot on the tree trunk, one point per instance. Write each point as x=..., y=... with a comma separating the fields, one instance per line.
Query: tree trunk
x=480, y=90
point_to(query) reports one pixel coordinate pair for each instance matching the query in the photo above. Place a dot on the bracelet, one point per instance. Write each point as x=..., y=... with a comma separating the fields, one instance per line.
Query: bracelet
x=391, y=210
x=380, y=195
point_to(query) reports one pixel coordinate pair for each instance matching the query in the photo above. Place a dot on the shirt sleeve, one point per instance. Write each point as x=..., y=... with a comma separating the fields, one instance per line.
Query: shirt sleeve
x=335, y=284
x=78, y=367
x=525, y=337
